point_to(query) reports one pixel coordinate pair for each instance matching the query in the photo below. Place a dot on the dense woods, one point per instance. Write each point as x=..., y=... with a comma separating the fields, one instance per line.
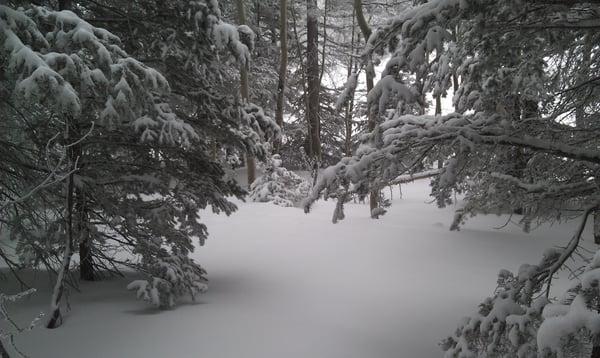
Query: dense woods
x=120, y=121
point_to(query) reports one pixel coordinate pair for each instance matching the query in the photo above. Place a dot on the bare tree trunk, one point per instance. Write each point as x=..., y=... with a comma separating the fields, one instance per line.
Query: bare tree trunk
x=86, y=262
x=64, y=4
x=312, y=76
x=362, y=21
x=257, y=10
x=438, y=112
x=3, y=352
x=283, y=61
x=56, y=318
x=350, y=104
x=244, y=91
x=324, y=48
x=580, y=116
x=370, y=74
x=304, y=80
x=86, y=265
x=454, y=75
x=580, y=120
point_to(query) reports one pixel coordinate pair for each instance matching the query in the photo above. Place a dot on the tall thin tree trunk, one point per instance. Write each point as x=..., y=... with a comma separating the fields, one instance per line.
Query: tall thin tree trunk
x=580, y=120
x=258, y=14
x=370, y=74
x=454, y=75
x=438, y=112
x=580, y=116
x=324, y=48
x=3, y=352
x=86, y=264
x=595, y=351
x=350, y=104
x=56, y=317
x=304, y=80
x=244, y=91
x=283, y=60
x=64, y=4
x=312, y=75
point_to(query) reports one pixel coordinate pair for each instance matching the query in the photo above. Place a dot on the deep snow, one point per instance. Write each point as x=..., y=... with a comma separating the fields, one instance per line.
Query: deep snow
x=284, y=285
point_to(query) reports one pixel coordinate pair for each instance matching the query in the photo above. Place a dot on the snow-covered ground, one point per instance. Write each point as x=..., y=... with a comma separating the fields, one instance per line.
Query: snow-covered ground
x=284, y=285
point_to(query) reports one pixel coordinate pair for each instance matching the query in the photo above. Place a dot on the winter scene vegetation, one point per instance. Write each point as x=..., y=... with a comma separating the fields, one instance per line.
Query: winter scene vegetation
x=300, y=178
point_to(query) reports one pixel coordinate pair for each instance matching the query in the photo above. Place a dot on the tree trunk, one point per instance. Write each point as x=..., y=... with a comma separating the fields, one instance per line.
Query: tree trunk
x=454, y=75
x=350, y=104
x=308, y=145
x=362, y=21
x=350, y=107
x=64, y=4
x=324, y=48
x=244, y=91
x=86, y=264
x=283, y=60
x=438, y=112
x=370, y=74
x=581, y=120
x=257, y=11
x=312, y=76
x=56, y=318
x=519, y=156
x=3, y=352
x=595, y=351
x=374, y=194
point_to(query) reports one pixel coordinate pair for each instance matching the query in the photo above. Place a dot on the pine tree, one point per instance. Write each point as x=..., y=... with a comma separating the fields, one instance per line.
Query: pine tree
x=512, y=146
x=132, y=153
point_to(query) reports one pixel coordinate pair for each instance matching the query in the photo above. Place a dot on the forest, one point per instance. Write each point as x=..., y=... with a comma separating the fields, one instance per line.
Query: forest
x=300, y=178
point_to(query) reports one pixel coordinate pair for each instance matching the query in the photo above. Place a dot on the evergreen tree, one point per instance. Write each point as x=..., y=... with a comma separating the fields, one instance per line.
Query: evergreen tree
x=132, y=150
x=513, y=146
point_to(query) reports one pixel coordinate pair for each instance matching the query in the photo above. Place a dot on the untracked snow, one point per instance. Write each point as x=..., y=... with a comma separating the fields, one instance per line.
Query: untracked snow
x=284, y=284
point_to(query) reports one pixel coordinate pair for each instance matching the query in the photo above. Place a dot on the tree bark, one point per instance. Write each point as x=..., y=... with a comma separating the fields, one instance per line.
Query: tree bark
x=257, y=10
x=308, y=144
x=438, y=112
x=350, y=105
x=595, y=351
x=580, y=116
x=64, y=4
x=56, y=318
x=312, y=76
x=283, y=61
x=244, y=91
x=366, y=31
x=86, y=263
x=362, y=21
x=3, y=352
x=324, y=48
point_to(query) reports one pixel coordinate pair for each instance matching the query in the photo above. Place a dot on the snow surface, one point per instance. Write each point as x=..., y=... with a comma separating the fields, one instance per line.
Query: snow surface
x=284, y=285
